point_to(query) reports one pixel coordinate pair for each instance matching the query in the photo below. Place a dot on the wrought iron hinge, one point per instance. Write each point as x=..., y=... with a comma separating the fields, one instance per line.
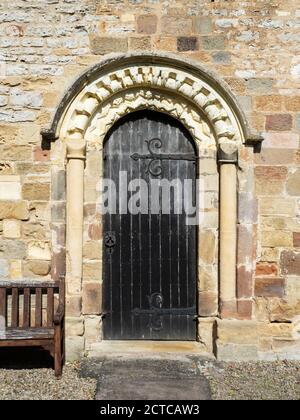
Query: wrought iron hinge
x=154, y=166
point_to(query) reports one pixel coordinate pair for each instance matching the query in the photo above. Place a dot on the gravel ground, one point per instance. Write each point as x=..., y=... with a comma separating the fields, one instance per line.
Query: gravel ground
x=40, y=384
x=228, y=381
x=254, y=381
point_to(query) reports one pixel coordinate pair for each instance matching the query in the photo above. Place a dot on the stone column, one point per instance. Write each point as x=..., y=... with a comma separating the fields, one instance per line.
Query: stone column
x=227, y=158
x=76, y=154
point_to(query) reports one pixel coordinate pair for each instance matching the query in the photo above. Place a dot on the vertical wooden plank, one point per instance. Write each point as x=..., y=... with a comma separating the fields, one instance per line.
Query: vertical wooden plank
x=38, y=307
x=3, y=305
x=50, y=306
x=26, y=308
x=15, y=308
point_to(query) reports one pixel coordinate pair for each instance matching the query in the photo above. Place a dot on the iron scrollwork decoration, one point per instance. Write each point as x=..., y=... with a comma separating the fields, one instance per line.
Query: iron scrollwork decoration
x=155, y=164
x=110, y=241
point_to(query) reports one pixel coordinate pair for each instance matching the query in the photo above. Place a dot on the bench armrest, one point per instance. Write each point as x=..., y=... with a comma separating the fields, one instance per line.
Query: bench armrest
x=58, y=317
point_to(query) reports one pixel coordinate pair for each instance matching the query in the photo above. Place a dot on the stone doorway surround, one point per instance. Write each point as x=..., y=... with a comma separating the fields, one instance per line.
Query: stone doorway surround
x=122, y=84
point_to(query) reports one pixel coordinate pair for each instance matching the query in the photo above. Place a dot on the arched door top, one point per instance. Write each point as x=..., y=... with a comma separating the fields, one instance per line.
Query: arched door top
x=186, y=82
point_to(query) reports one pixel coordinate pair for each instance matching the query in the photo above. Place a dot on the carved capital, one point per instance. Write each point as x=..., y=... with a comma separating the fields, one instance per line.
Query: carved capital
x=76, y=149
x=228, y=153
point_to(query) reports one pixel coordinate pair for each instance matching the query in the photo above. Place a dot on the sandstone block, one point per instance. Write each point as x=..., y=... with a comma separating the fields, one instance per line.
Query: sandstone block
x=73, y=306
x=230, y=332
x=147, y=24
x=276, y=238
x=237, y=352
x=245, y=309
x=12, y=249
x=274, y=172
x=39, y=268
x=269, y=254
x=91, y=298
x=206, y=328
x=92, y=271
x=277, y=206
x=16, y=153
x=245, y=244
x=4, y=267
x=15, y=271
x=290, y=263
x=284, y=140
x=74, y=326
x=14, y=210
x=292, y=103
x=203, y=25
x=41, y=155
x=10, y=187
x=171, y=25
x=269, y=287
x=213, y=42
x=274, y=156
x=279, y=122
x=105, y=45
x=95, y=230
x=269, y=186
x=185, y=43
x=58, y=185
x=11, y=229
x=296, y=239
x=58, y=212
x=38, y=250
x=293, y=183
x=244, y=282
x=266, y=269
x=208, y=279
x=74, y=348
x=93, y=328
x=36, y=191
x=262, y=86
x=142, y=43
x=208, y=303
x=273, y=223
x=207, y=251
x=92, y=250
x=268, y=103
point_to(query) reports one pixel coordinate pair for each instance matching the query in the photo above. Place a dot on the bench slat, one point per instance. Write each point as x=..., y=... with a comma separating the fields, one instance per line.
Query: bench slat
x=21, y=284
x=15, y=308
x=26, y=308
x=38, y=307
x=26, y=334
x=3, y=303
x=50, y=307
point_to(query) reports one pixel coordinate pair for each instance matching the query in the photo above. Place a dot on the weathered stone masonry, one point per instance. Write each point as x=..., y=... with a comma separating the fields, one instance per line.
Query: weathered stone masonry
x=254, y=47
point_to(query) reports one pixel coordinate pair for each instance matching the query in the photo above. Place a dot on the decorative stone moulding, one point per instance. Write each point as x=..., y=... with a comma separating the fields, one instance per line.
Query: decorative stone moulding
x=140, y=99
x=185, y=89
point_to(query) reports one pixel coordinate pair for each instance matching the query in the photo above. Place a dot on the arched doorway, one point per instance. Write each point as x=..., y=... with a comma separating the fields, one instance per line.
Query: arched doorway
x=150, y=252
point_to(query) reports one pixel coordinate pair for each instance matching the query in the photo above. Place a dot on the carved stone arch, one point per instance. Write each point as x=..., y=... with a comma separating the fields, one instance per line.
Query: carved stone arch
x=141, y=99
x=182, y=89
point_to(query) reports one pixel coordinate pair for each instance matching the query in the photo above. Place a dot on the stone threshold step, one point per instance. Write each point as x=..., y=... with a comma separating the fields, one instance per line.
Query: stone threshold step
x=147, y=348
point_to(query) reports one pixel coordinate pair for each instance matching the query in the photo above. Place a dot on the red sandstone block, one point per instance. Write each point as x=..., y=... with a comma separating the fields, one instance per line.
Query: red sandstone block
x=245, y=308
x=279, y=122
x=296, y=237
x=41, y=155
x=266, y=269
x=269, y=287
x=244, y=282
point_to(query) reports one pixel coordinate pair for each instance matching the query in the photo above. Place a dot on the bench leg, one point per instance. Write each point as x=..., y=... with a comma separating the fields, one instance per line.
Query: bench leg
x=58, y=351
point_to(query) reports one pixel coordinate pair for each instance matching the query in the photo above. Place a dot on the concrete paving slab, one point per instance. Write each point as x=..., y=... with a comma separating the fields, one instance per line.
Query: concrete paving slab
x=147, y=379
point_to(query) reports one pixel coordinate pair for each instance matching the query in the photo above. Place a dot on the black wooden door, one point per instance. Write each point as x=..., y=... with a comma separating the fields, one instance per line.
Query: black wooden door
x=149, y=259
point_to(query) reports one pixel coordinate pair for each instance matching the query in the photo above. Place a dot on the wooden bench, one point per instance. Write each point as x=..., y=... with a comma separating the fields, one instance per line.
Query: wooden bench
x=31, y=315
